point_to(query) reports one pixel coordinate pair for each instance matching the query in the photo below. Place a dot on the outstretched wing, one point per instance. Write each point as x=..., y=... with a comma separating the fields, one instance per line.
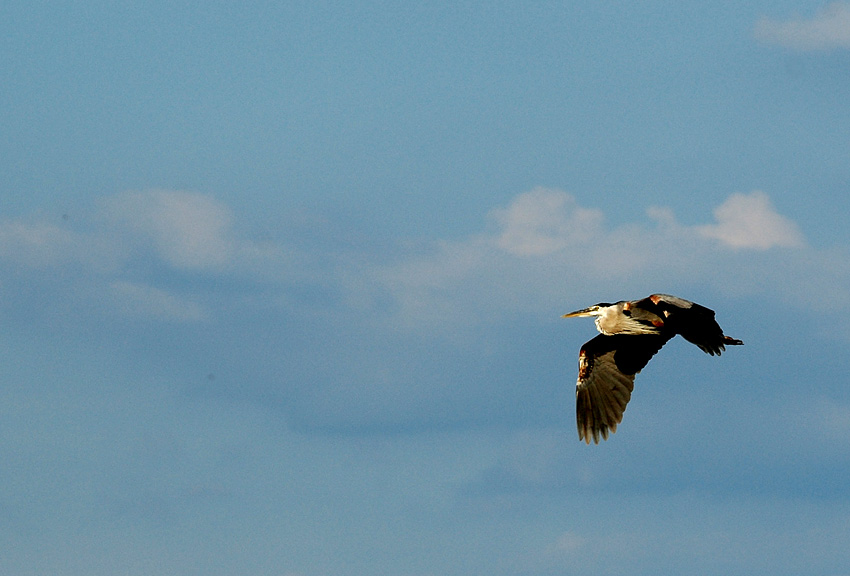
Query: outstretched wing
x=606, y=376
x=695, y=323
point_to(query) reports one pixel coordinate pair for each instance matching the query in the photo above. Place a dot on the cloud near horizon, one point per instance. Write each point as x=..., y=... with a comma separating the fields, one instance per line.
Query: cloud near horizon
x=188, y=232
x=545, y=247
x=828, y=29
x=538, y=250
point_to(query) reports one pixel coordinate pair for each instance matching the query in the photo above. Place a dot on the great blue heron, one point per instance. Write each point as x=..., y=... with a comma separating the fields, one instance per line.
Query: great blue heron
x=632, y=332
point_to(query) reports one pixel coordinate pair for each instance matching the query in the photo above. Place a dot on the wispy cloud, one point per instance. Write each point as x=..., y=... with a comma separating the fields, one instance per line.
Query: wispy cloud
x=541, y=250
x=828, y=29
x=189, y=230
x=39, y=244
x=139, y=300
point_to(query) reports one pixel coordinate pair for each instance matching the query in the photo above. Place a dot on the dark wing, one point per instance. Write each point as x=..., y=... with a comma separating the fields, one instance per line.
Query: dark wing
x=695, y=323
x=606, y=375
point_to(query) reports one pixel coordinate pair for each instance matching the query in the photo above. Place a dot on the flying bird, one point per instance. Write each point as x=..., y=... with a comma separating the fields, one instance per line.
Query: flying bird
x=632, y=332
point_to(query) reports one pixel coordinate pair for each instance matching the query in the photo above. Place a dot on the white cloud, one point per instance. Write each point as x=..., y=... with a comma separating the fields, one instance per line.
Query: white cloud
x=548, y=251
x=544, y=250
x=189, y=230
x=750, y=221
x=828, y=29
x=37, y=244
x=541, y=222
x=193, y=232
x=186, y=230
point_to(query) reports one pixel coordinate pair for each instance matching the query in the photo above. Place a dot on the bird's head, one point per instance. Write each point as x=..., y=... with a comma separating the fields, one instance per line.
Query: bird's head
x=595, y=310
x=614, y=318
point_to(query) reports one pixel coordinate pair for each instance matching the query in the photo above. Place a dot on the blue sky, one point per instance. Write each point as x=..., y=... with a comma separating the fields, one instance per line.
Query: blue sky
x=280, y=286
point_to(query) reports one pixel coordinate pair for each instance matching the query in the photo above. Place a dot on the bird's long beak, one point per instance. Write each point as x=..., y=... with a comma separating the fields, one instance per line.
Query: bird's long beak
x=581, y=313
